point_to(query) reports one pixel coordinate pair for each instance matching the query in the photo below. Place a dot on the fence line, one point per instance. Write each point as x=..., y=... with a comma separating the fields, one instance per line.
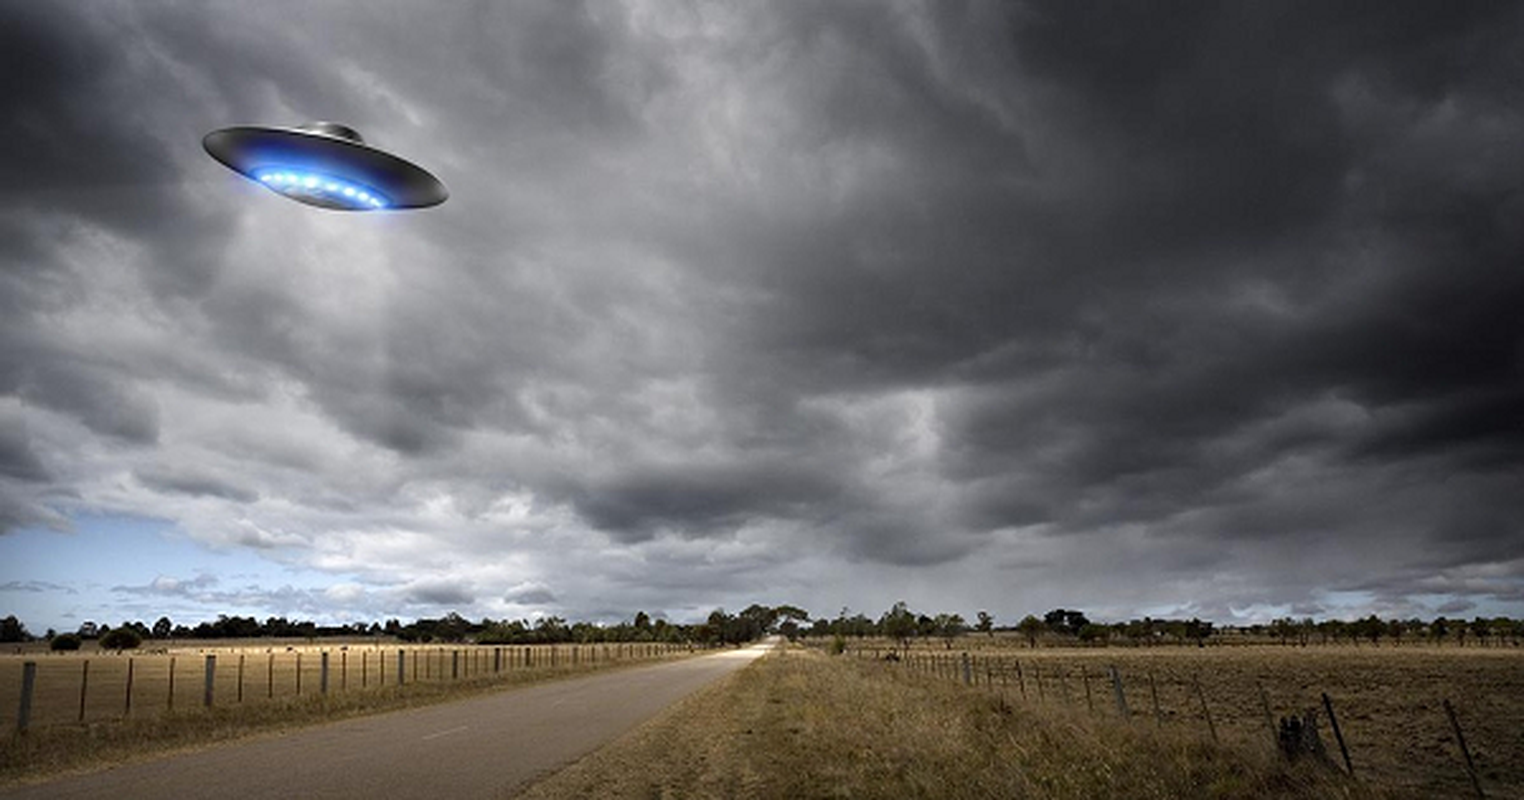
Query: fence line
x=78, y=689
x=963, y=668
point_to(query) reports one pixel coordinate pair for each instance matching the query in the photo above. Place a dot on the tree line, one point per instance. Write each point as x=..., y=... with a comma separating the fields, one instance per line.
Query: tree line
x=720, y=627
x=1062, y=625
x=899, y=623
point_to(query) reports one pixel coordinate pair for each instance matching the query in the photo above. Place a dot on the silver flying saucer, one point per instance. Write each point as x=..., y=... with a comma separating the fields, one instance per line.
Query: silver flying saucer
x=325, y=164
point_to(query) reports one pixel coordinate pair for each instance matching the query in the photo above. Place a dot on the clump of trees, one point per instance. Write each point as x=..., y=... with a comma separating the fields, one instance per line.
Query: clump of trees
x=119, y=639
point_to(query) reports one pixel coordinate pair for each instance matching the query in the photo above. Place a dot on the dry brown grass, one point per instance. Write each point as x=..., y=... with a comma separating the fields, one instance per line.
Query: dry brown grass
x=803, y=725
x=57, y=743
x=1388, y=699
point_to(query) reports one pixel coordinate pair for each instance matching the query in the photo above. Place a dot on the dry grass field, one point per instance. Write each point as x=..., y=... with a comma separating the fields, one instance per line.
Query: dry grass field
x=1388, y=699
x=802, y=724
x=278, y=686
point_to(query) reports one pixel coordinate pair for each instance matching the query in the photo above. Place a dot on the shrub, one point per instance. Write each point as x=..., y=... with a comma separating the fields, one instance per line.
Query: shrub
x=65, y=641
x=838, y=644
x=120, y=639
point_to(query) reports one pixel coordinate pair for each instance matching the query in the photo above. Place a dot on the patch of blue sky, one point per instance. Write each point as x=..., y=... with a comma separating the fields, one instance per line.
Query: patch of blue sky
x=112, y=569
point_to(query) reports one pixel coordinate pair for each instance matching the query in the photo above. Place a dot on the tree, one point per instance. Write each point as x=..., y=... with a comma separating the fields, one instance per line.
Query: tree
x=986, y=624
x=899, y=624
x=787, y=612
x=11, y=630
x=65, y=641
x=1091, y=633
x=1030, y=627
x=1198, y=631
x=642, y=620
x=950, y=627
x=1063, y=621
x=119, y=639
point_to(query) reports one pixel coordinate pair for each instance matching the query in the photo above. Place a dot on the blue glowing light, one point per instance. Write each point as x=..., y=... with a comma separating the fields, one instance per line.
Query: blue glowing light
x=326, y=190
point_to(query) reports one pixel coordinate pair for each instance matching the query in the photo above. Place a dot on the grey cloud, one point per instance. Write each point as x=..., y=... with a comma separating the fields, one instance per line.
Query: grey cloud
x=438, y=592
x=530, y=596
x=1456, y=607
x=168, y=586
x=17, y=458
x=196, y=485
x=940, y=287
x=36, y=587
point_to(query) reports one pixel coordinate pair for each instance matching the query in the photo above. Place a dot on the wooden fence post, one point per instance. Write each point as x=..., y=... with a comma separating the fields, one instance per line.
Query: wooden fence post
x=270, y=678
x=240, y=677
x=1153, y=689
x=1021, y=680
x=1460, y=739
x=1333, y=721
x=1085, y=676
x=28, y=684
x=401, y=666
x=171, y=701
x=1264, y=704
x=1121, y=695
x=323, y=672
x=211, y=674
x=1205, y=712
x=343, y=670
x=298, y=674
x=968, y=677
x=84, y=685
x=454, y=665
x=127, y=706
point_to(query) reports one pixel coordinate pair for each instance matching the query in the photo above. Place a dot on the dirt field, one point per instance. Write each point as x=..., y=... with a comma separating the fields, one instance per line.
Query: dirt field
x=1388, y=699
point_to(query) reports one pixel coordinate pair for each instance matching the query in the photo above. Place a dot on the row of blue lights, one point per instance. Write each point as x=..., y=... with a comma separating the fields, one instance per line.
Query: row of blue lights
x=287, y=181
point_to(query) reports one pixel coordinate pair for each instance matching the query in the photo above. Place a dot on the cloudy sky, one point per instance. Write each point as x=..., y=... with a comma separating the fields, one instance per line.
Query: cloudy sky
x=1211, y=310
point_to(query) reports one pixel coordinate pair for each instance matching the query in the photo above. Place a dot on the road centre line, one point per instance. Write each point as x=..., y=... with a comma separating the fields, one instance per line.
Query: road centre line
x=446, y=733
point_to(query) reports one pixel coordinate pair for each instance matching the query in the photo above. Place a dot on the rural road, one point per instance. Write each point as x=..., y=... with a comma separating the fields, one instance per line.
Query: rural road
x=487, y=746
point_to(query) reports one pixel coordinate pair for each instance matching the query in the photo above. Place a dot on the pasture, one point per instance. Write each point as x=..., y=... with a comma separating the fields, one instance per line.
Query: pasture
x=91, y=686
x=1388, y=700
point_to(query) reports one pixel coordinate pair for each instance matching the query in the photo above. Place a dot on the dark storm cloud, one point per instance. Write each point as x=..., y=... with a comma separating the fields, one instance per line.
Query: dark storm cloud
x=1204, y=305
x=17, y=459
x=439, y=593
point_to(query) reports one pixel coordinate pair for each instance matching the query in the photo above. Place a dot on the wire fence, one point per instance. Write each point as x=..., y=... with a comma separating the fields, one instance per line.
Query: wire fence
x=58, y=689
x=1437, y=725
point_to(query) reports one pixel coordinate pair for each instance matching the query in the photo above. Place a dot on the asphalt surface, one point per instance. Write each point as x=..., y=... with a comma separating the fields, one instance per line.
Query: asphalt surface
x=487, y=746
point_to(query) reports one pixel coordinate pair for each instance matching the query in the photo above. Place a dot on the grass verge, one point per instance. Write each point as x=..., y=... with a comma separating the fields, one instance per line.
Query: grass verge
x=47, y=752
x=800, y=724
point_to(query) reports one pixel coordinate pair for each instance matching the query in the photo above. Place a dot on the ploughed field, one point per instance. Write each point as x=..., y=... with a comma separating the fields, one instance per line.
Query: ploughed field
x=1388, y=700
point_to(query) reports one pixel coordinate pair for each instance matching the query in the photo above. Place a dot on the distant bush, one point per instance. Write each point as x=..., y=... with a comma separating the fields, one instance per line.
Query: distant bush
x=123, y=638
x=65, y=641
x=838, y=644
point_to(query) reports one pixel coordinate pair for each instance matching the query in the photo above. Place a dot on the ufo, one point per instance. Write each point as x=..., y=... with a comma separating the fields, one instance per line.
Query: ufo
x=324, y=164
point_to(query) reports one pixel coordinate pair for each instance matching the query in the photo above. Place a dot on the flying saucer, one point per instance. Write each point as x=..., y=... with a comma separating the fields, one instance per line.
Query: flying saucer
x=324, y=164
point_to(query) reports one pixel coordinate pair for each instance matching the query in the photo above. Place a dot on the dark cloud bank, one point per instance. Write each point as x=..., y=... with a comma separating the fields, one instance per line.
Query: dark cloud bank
x=1001, y=305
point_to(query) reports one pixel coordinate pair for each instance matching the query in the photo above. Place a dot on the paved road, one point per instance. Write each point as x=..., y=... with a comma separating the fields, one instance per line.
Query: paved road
x=489, y=746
